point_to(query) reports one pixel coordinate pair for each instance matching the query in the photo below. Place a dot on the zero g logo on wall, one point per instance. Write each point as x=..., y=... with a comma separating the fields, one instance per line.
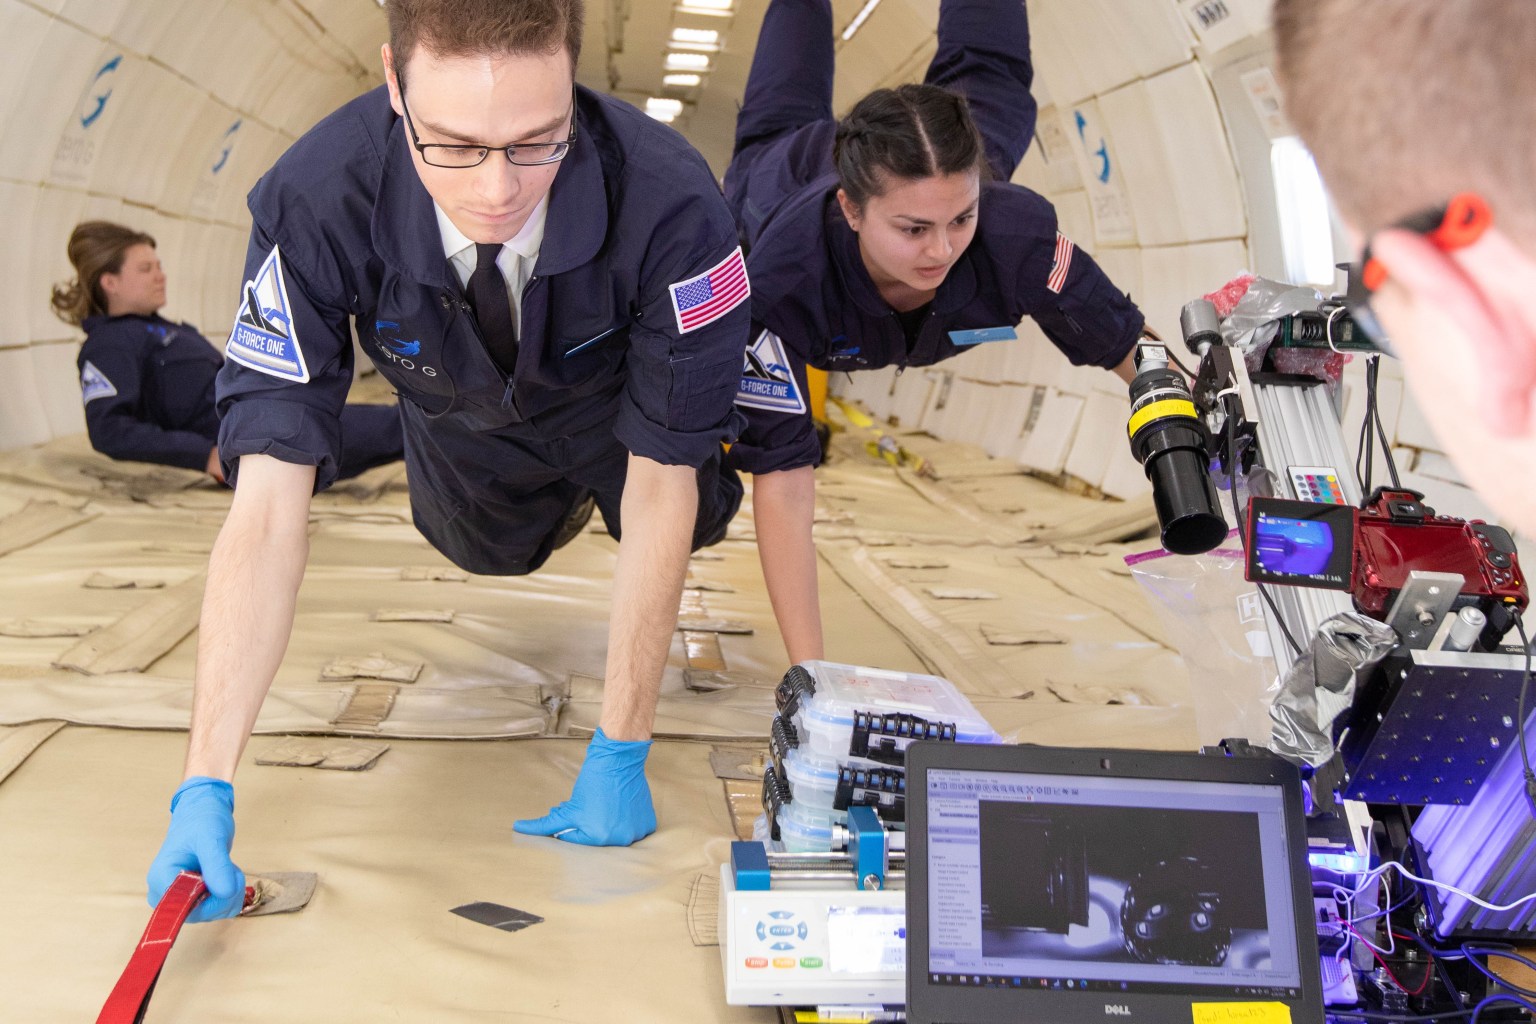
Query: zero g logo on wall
x=1107, y=198
x=226, y=146
x=205, y=194
x=96, y=96
x=76, y=154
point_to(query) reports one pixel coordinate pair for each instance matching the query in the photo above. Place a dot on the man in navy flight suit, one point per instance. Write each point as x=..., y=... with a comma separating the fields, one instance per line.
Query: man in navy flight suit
x=553, y=283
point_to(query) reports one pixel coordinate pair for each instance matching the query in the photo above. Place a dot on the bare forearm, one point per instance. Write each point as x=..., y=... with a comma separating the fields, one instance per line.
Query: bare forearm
x=253, y=582
x=1126, y=371
x=659, y=508
x=783, y=511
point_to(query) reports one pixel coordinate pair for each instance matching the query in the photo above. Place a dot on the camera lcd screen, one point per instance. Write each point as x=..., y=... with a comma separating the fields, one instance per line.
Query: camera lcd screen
x=1300, y=543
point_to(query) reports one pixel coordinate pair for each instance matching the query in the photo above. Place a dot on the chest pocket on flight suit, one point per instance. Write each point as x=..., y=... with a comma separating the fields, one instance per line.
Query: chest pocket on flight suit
x=408, y=350
x=180, y=375
x=593, y=335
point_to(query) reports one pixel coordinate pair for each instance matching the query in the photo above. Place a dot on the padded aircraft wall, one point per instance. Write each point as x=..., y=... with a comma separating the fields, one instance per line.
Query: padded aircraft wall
x=1154, y=137
x=159, y=114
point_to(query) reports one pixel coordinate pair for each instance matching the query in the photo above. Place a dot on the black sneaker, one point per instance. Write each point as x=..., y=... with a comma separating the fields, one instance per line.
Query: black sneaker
x=576, y=519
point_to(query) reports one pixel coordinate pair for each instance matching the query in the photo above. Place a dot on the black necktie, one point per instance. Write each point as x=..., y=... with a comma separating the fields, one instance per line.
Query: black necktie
x=493, y=310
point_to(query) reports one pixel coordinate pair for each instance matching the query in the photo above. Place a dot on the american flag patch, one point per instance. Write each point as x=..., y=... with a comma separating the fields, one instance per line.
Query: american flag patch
x=1064, y=249
x=704, y=299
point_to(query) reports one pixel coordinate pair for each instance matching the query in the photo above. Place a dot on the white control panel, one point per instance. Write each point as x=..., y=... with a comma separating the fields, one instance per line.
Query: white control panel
x=804, y=946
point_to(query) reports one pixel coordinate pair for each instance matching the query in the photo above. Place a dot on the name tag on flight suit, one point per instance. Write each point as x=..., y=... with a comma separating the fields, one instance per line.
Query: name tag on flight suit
x=980, y=335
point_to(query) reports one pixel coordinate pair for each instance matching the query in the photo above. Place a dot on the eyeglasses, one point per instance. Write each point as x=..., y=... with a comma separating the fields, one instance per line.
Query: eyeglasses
x=524, y=154
x=1456, y=225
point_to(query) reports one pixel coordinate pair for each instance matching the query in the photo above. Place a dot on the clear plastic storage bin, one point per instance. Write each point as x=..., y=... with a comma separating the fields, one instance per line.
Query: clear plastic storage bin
x=800, y=824
x=829, y=784
x=795, y=836
x=846, y=712
x=800, y=828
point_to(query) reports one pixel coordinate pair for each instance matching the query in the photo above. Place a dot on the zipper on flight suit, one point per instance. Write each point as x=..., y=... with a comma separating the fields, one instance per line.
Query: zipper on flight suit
x=455, y=305
x=906, y=351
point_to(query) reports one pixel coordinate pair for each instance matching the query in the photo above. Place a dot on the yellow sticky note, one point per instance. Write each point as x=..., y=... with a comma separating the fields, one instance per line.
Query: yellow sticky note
x=1241, y=1013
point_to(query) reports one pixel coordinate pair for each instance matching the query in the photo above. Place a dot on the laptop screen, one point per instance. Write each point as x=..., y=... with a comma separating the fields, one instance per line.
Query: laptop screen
x=1131, y=885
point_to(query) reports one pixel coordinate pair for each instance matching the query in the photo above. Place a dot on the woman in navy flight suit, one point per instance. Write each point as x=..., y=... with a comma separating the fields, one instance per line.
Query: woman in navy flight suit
x=148, y=383
x=889, y=238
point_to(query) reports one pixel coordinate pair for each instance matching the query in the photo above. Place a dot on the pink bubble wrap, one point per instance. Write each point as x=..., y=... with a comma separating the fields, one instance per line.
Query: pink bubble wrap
x=1226, y=297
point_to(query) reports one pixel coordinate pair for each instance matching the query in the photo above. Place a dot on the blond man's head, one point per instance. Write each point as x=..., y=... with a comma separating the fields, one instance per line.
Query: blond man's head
x=1404, y=104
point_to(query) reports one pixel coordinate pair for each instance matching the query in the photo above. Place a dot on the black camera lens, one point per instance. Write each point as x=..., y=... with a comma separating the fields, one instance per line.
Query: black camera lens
x=1170, y=441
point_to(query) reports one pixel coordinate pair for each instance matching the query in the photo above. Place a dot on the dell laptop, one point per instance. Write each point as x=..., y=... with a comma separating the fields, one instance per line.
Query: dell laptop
x=1059, y=886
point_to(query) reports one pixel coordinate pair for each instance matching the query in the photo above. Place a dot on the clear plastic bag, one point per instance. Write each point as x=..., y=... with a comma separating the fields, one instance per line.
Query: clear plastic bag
x=1216, y=619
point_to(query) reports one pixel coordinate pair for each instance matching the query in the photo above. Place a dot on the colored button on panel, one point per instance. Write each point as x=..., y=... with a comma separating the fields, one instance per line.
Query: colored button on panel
x=810, y=962
x=784, y=961
x=782, y=945
x=781, y=915
x=782, y=929
x=756, y=961
x=803, y=931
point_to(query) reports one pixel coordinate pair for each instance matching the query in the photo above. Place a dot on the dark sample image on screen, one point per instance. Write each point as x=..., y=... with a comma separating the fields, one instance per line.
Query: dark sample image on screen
x=1122, y=885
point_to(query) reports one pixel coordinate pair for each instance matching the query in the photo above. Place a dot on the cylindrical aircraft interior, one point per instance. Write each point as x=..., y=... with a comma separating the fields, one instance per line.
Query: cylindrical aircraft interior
x=767, y=510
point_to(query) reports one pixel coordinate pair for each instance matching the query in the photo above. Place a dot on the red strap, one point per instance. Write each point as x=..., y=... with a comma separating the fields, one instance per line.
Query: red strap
x=130, y=997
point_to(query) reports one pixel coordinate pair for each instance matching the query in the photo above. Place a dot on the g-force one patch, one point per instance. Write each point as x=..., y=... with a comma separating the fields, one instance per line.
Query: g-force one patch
x=94, y=384
x=263, y=337
x=767, y=382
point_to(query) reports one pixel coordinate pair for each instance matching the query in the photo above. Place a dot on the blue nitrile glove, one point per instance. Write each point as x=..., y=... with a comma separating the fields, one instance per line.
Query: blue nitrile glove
x=202, y=829
x=610, y=804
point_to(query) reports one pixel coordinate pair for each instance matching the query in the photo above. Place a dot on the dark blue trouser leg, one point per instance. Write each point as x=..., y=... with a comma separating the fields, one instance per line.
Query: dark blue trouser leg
x=984, y=55
x=371, y=435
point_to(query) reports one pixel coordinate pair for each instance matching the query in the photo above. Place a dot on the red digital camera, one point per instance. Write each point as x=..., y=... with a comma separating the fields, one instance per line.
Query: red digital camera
x=1396, y=533
x=1371, y=551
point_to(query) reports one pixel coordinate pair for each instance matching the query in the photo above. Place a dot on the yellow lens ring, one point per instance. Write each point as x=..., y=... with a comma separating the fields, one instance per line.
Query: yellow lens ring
x=1158, y=410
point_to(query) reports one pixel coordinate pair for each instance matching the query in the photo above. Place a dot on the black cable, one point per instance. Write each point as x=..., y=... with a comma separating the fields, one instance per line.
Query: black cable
x=1175, y=357
x=1279, y=619
x=1448, y=982
x=1471, y=952
x=1477, y=1011
x=1370, y=438
x=1361, y=442
x=1437, y=957
x=1525, y=686
x=1365, y=1015
x=1233, y=468
x=1360, y=453
x=1374, y=413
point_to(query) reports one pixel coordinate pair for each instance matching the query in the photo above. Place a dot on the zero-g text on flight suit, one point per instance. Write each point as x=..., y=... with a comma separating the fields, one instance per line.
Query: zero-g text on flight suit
x=148, y=389
x=813, y=301
x=610, y=359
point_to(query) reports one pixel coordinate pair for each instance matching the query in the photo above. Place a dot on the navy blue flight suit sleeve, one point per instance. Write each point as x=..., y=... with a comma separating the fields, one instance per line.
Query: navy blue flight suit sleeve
x=677, y=407
x=116, y=422
x=263, y=412
x=1080, y=309
x=984, y=56
x=790, y=82
x=775, y=438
